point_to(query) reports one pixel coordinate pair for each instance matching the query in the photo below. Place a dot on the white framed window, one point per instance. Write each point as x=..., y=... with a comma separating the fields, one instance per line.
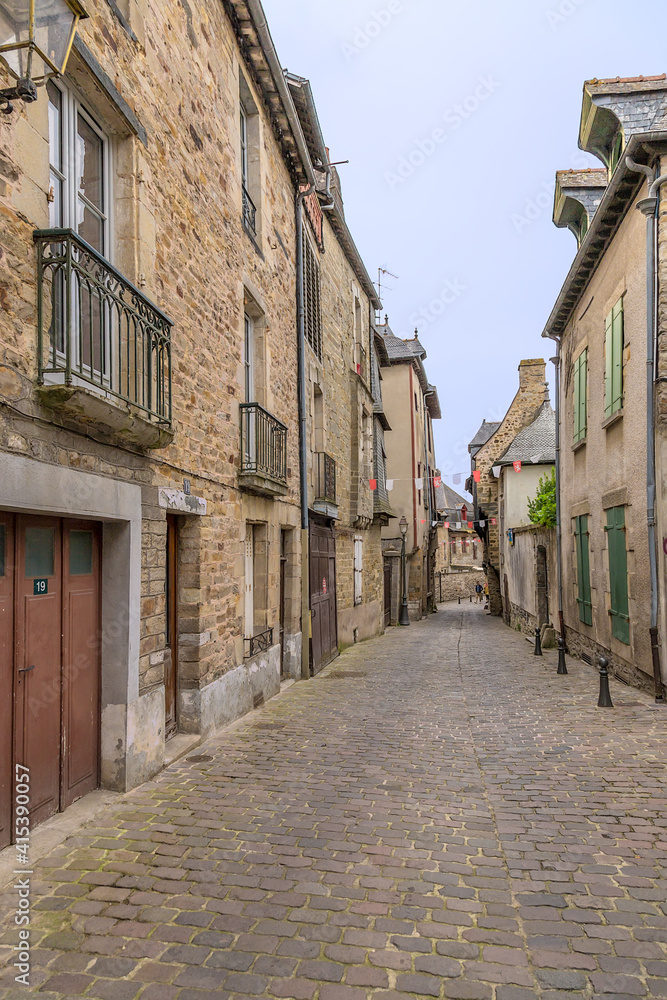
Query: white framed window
x=80, y=169
x=358, y=568
x=79, y=199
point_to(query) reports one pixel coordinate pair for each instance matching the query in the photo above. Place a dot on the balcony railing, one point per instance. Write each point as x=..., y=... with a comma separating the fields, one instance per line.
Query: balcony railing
x=325, y=477
x=95, y=328
x=249, y=212
x=259, y=643
x=361, y=361
x=263, y=443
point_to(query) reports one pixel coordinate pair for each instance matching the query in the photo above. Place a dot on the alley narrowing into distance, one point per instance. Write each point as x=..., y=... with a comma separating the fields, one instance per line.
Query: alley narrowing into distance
x=438, y=814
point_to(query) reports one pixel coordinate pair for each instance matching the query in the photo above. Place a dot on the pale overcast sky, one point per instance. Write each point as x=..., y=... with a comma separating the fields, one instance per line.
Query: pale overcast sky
x=455, y=117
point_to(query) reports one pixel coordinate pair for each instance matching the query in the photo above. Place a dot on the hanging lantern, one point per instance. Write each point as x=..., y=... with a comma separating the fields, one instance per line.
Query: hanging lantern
x=35, y=41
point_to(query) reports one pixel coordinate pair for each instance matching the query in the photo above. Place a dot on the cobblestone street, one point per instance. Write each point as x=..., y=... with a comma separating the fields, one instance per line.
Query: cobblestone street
x=438, y=814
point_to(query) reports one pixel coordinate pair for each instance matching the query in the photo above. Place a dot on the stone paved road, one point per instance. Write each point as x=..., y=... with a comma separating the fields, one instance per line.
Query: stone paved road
x=440, y=815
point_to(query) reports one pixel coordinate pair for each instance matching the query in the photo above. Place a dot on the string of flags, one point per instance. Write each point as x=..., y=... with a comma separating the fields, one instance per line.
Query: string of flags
x=455, y=477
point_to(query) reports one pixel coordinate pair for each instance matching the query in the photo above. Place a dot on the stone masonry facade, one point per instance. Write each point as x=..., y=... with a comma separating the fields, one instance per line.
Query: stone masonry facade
x=523, y=409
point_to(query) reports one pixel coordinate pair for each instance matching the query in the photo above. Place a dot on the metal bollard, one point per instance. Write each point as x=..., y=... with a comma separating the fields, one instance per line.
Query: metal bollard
x=470, y=598
x=562, y=666
x=604, y=699
x=538, y=643
x=459, y=598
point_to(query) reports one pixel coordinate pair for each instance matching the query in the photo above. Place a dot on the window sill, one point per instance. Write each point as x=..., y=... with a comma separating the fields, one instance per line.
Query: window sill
x=579, y=444
x=614, y=418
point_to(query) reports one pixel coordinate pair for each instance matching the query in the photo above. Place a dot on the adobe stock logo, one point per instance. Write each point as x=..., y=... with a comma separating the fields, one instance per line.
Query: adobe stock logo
x=453, y=119
x=365, y=33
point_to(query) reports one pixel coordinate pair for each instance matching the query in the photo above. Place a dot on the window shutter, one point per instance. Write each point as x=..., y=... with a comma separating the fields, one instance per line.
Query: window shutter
x=249, y=593
x=618, y=574
x=614, y=360
x=583, y=570
x=617, y=373
x=580, y=392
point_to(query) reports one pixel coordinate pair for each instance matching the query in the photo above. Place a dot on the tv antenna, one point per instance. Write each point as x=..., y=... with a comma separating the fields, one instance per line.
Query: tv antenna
x=383, y=271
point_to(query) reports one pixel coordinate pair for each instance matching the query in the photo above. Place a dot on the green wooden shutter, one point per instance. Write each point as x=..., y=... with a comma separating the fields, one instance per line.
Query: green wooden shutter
x=580, y=391
x=583, y=570
x=614, y=360
x=618, y=574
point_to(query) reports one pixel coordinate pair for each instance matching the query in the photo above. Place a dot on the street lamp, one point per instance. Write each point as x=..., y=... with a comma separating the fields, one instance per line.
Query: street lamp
x=35, y=41
x=404, y=618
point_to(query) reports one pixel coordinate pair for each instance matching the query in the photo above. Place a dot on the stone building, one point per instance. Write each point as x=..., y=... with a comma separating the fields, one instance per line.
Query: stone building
x=410, y=405
x=346, y=576
x=150, y=501
x=458, y=560
x=527, y=551
x=607, y=408
x=487, y=447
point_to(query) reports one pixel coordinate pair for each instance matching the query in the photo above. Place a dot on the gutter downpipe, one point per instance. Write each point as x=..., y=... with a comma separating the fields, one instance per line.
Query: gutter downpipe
x=649, y=207
x=264, y=35
x=559, y=531
x=303, y=437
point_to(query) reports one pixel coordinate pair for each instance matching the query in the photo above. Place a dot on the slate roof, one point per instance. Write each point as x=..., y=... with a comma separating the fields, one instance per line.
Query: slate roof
x=448, y=499
x=488, y=427
x=538, y=440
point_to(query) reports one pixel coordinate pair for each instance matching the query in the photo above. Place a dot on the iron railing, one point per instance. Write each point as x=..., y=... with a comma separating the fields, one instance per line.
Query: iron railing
x=361, y=361
x=325, y=477
x=263, y=443
x=95, y=328
x=249, y=212
x=259, y=643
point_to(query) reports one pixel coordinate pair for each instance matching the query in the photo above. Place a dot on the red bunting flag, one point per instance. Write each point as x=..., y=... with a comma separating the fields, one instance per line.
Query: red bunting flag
x=493, y=520
x=373, y=484
x=477, y=475
x=423, y=520
x=447, y=524
x=437, y=481
x=470, y=525
x=517, y=466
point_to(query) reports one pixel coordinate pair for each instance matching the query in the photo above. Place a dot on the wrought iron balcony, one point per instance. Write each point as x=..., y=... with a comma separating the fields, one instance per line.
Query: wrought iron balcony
x=325, y=478
x=361, y=361
x=99, y=336
x=249, y=212
x=263, y=450
x=259, y=643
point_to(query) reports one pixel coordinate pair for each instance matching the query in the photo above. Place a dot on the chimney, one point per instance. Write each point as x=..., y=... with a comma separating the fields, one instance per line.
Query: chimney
x=532, y=375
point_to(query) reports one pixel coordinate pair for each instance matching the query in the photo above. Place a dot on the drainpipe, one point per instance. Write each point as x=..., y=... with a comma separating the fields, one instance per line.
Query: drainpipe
x=303, y=436
x=559, y=528
x=649, y=207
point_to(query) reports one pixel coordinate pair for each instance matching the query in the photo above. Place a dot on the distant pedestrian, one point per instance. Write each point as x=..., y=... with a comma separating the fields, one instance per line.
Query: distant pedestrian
x=479, y=590
x=486, y=596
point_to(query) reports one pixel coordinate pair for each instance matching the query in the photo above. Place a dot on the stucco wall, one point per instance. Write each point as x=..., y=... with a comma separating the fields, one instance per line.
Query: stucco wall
x=609, y=469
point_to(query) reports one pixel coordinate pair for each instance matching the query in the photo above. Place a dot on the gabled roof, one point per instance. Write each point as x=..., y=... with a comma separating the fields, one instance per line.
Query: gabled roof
x=448, y=499
x=486, y=430
x=536, y=443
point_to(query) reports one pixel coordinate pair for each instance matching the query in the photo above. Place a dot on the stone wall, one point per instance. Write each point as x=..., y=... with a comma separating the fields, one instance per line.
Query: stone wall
x=178, y=235
x=530, y=396
x=450, y=586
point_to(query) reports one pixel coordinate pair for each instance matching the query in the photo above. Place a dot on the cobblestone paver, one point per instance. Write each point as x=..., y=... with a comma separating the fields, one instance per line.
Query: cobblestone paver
x=438, y=815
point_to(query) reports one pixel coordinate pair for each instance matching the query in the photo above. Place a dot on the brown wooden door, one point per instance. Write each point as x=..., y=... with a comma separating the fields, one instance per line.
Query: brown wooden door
x=387, y=592
x=6, y=673
x=81, y=656
x=324, y=625
x=37, y=660
x=171, y=651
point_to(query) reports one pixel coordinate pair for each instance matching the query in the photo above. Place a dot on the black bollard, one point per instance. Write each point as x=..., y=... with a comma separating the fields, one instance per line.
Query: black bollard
x=604, y=700
x=470, y=598
x=538, y=643
x=459, y=598
x=562, y=666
